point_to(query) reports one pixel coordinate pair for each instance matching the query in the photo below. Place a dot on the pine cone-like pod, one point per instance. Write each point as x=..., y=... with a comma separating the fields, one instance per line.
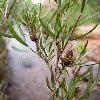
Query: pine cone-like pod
x=34, y=38
x=67, y=58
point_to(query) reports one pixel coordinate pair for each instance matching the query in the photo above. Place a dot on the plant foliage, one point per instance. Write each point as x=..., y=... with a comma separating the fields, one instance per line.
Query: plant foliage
x=52, y=36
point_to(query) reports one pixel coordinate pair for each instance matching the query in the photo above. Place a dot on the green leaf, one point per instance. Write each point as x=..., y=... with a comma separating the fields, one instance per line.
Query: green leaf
x=6, y=35
x=57, y=92
x=45, y=25
x=20, y=30
x=67, y=6
x=88, y=89
x=71, y=89
x=62, y=29
x=84, y=75
x=83, y=5
x=18, y=49
x=51, y=53
x=11, y=8
x=57, y=26
x=42, y=47
x=53, y=15
x=15, y=35
x=84, y=48
x=63, y=85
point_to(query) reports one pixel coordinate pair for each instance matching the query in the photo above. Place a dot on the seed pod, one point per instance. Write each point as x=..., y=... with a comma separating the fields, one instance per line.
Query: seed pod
x=33, y=38
x=67, y=58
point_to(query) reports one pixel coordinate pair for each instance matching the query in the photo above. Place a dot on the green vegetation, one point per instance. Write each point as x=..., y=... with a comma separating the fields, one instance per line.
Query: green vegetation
x=52, y=32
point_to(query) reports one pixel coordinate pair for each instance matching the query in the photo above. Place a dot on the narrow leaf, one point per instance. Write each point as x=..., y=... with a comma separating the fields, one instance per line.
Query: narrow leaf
x=84, y=75
x=6, y=35
x=15, y=35
x=84, y=49
x=53, y=15
x=83, y=5
x=20, y=30
x=45, y=25
x=18, y=49
x=88, y=89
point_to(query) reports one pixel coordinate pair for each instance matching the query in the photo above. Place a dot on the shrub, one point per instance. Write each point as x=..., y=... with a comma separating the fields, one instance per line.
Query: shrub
x=52, y=33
